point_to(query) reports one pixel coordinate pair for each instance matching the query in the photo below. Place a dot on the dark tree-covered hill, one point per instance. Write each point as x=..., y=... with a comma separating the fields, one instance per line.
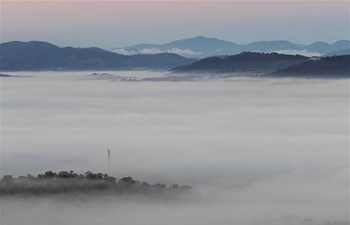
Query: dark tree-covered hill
x=336, y=66
x=243, y=62
x=65, y=182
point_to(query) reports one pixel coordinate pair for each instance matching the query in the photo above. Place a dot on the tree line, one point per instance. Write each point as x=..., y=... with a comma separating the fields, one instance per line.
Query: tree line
x=71, y=182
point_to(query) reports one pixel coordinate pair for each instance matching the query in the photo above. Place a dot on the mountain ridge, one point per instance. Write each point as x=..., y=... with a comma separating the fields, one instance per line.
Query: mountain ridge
x=36, y=55
x=242, y=63
x=271, y=65
x=201, y=47
x=335, y=66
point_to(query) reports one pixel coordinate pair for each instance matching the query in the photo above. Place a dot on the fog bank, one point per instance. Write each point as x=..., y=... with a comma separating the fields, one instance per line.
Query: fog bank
x=256, y=151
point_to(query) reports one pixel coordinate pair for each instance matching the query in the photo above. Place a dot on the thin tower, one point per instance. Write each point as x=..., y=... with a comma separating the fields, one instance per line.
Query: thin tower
x=109, y=160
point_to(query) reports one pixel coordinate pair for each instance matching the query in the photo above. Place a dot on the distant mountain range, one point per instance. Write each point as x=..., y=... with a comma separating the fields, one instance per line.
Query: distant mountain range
x=201, y=47
x=35, y=55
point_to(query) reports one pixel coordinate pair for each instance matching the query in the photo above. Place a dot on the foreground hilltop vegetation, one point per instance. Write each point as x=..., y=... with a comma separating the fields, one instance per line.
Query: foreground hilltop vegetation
x=71, y=182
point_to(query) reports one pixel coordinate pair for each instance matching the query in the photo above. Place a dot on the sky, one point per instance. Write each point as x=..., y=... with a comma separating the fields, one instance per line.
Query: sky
x=109, y=24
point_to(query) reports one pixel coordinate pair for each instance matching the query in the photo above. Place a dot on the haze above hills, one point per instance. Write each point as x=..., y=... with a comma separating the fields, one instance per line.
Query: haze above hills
x=201, y=47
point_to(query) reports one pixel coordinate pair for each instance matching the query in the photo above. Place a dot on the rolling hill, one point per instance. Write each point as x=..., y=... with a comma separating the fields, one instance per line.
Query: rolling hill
x=202, y=47
x=243, y=62
x=336, y=66
x=37, y=55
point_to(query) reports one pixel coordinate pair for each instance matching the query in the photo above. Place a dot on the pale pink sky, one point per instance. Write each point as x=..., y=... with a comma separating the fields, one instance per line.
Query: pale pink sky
x=117, y=24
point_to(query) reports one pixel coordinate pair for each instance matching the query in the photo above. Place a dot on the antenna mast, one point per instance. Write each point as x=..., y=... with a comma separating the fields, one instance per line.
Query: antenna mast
x=109, y=160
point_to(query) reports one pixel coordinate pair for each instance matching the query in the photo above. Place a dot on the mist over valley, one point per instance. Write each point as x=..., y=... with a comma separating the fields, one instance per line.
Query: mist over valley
x=254, y=151
x=174, y=112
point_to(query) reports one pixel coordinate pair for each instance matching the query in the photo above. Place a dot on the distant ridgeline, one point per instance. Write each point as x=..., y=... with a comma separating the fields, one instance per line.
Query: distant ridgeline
x=201, y=47
x=336, y=66
x=69, y=182
x=36, y=56
x=243, y=62
x=272, y=65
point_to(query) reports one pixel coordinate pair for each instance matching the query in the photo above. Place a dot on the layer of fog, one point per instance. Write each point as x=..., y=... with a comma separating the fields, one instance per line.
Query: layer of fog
x=190, y=53
x=303, y=52
x=182, y=52
x=267, y=150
